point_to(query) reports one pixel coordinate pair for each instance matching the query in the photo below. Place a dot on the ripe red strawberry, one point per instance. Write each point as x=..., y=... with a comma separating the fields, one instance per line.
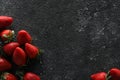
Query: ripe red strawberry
x=19, y=56
x=8, y=76
x=7, y=35
x=4, y=64
x=23, y=37
x=31, y=76
x=5, y=21
x=115, y=73
x=98, y=76
x=31, y=50
x=10, y=47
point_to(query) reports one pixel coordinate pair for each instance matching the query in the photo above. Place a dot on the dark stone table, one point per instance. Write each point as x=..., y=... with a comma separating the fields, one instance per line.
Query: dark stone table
x=79, y=37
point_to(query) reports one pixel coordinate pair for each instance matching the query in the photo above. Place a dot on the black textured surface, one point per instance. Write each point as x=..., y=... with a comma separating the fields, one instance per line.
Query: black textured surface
x=79, y=37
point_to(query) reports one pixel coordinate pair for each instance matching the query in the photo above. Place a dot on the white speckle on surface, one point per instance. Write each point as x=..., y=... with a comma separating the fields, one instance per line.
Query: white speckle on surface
x=60, y=28
x=51, y=68
x=82, y=21
x=103, y=46
x=68, y=75
x=101, y=31
x=114, y=5
x=95, y=14
x=106, y=18
x=80, y=28
x=91, y=58
x=86, y=8
x=56, y=77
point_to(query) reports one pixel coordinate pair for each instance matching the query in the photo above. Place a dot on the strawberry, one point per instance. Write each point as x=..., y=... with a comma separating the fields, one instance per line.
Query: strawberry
x=7, y=35
x=4, y=64
x=31, y=76
x=19, y=56
x=8, y=76
x=23, y=37
x=10, y=47
x=31, y=50
x=115, y=73
x=5, y=21
x=98, y=76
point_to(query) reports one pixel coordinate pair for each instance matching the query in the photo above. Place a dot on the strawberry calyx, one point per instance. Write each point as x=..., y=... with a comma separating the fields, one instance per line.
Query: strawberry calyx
x=2, y=78
x=39, y=52
x=20, y=74
x=9, y=37
x=7, y=76
x=3, y=75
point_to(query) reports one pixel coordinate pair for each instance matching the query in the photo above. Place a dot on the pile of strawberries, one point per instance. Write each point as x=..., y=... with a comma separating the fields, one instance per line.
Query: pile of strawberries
x=113, y=74
x=15, y=52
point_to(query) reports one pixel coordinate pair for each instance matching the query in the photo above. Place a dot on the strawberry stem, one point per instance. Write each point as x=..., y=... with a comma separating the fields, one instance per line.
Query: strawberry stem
x=20, y=74
x=41, y=51
x=108, y=77
x=2, y=76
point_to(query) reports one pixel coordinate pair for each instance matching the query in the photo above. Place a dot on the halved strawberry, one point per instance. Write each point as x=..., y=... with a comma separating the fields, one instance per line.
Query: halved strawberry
x=7, y=35
x=31, y=76
x=10, y=47
x=5, y=21
x=19, y=56
x=4, y=64
x=31, y=50
x=23, y=37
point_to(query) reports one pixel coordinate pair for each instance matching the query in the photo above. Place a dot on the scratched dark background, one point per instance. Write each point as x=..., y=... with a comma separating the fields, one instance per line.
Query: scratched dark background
x=79, y=37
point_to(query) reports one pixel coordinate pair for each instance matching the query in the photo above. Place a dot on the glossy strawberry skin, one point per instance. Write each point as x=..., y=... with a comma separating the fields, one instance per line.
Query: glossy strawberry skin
x=31, y=50
x=115, y=73
x=23, y=37
x=19, y=56
x=98, y=76
x=10, y=47
x=9, y=76
x=31, y=76
x=6, y=34
x=5, y=21
x=4, y=64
